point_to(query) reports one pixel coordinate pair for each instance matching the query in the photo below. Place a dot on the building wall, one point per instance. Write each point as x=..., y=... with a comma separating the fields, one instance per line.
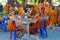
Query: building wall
x=56, y=2
x=3, y=2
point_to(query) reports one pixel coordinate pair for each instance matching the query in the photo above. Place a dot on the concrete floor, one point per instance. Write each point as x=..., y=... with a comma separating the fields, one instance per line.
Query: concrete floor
x=52, y=35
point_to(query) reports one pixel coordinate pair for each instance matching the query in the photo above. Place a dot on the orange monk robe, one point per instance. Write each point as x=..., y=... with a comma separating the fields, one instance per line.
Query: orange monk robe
x=6, y=8
x=21, y=27
x=39, y=19
x=49, y=10
x=52, y=18
x=21, y=11
x=36, y=8
x=47, y=22
x=56, y=14
x=55, y=11
x=11, y=26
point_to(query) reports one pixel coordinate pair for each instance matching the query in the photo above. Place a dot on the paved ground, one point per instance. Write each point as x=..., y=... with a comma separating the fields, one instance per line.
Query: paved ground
x=52, y=35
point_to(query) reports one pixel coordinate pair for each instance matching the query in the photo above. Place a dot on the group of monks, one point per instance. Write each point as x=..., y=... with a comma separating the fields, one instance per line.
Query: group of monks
x=36, y=11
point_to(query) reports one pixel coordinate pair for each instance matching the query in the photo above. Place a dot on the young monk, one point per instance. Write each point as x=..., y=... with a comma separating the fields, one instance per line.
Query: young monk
x=51, y=16
x=12, y=26
x=46, y=16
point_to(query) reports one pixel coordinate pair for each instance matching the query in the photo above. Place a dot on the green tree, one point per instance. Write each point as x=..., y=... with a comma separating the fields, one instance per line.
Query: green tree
x=24, y=2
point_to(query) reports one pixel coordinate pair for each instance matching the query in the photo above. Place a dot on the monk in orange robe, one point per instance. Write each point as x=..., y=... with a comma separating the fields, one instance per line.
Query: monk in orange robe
x=11, y=26
x=6, y=8
x=48, y=10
